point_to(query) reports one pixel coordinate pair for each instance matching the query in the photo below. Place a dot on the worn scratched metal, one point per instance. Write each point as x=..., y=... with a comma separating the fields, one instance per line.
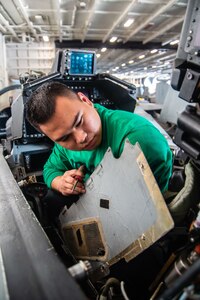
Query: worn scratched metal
x=137, y=215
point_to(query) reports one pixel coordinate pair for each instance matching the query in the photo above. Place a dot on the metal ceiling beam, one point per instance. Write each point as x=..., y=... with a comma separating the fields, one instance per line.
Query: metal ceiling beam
x=7, y=25
x=140, y=61
x=87, y=23
x=105, y=55
x=115, y=60
x=145, y=22
x=58, y=18
x=98, y=44
x=150, y=58
x=102, y=12
x=173, y=38
x=118, y=21
x=164, y=29
x=74, y=16
x=120, y=58
x=2, y=28
x=168, y=57
x=132, y=56
x=25, y=16
x=6, y=15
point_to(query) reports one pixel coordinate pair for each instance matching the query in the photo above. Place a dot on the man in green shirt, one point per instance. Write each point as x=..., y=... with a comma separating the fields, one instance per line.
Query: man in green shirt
x=82, y=133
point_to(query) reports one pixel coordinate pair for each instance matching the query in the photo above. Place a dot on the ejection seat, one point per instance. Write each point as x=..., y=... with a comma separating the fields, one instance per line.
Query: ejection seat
x=181, y=203
x=187, y=196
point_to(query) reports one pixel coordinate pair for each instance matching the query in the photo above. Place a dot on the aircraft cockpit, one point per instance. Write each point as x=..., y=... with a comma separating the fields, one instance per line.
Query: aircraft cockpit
x=98, y=248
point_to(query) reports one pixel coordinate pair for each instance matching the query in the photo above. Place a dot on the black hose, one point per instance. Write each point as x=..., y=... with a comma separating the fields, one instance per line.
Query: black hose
x=10, y=88
x=181, y=282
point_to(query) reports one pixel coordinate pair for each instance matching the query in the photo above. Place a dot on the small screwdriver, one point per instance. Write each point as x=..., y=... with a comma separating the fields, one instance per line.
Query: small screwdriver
x=78, y=177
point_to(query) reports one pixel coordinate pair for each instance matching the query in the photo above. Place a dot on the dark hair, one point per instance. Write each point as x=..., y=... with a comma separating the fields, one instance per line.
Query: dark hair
x=40, y=107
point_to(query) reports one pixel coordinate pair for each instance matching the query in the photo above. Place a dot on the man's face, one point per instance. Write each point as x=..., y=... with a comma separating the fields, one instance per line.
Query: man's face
x=75, y=124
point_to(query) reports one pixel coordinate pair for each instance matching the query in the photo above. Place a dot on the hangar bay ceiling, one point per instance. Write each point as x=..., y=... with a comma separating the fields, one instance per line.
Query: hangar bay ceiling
x=126, y=35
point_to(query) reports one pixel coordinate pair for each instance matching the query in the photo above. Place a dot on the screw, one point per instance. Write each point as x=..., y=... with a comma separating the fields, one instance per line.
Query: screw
x=189, y=76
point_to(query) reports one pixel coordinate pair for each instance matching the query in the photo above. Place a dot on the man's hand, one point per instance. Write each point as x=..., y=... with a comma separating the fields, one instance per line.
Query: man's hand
x=69, y=183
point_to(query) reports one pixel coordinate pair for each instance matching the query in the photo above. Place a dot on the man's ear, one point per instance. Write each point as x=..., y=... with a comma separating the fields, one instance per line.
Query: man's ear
x=84, y=98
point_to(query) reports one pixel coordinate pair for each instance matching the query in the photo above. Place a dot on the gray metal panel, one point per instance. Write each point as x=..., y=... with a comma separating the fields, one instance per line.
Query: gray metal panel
x=32, y=267
x=4, y=295
x=17, y=112
x=134, y=200
x=140, y=111
x=161, y=91
x=173, y=106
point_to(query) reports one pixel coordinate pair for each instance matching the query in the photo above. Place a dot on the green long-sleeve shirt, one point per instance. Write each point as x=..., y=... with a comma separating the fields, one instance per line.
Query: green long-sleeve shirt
x=117, y=126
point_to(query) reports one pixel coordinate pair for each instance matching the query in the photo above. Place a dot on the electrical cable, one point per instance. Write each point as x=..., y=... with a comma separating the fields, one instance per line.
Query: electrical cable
x=123, y=290
x=111, y=282
x=10, y=88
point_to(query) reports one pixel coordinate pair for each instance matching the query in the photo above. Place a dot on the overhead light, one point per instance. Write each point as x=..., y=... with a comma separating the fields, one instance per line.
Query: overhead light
x=116, y=68
x=154, y=50
x=113, y=39
x=103, y=49
x=45, y=38
x=131, y=61
x=128, y=22
x=123, y=65
x=82, y=4
x=174, y=42
x=38, y=17
x=141, y=56
x=98, y=55
x=145, y=68
x=162, y=66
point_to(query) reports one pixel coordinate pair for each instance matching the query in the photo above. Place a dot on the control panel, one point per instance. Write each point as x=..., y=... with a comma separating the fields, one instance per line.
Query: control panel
x=76, y=69
x=79, y=62
x=192, y=44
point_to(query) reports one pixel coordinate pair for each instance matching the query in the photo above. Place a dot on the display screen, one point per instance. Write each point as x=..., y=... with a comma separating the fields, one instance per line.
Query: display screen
x=81, y=63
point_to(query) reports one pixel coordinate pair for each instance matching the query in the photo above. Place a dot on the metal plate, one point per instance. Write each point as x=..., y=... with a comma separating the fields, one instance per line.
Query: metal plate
x=133, y=215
